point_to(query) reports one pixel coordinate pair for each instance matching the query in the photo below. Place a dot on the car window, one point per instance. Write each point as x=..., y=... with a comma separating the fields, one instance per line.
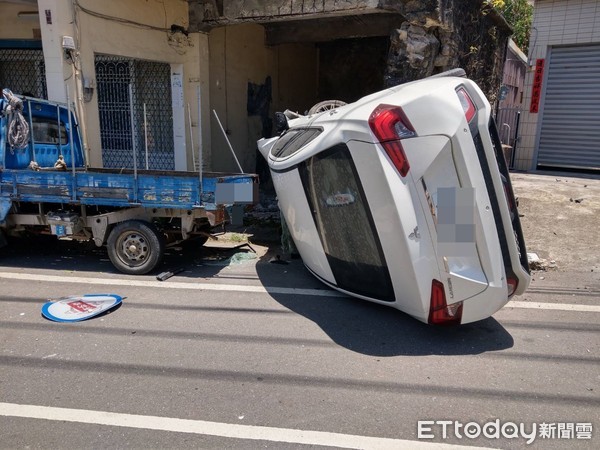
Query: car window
x=292, y=141
x=345, y=224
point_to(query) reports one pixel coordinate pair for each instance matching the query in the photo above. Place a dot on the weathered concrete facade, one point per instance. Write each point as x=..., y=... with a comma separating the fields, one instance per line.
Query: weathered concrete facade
x=247, y=59
x=336, y=49
x=424, y=36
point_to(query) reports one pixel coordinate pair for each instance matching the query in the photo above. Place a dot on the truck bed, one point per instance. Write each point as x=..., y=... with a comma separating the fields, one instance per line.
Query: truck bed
x=122, y=188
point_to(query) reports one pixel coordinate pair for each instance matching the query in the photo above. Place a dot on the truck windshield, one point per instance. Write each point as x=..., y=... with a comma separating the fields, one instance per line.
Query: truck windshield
x=47, y=131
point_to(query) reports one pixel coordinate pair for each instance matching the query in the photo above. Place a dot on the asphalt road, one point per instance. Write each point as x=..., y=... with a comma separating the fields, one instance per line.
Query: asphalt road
x=262, y=355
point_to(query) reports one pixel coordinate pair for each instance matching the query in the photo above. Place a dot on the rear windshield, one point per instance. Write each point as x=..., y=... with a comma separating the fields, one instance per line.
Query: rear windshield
x=293, y=140
x=345, y=225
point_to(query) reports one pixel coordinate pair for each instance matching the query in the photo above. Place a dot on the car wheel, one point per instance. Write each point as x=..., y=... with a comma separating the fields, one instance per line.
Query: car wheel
x=135, y=247
x=325, y=106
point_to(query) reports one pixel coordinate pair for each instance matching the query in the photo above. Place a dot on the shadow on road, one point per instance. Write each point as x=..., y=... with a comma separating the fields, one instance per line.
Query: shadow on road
x=377, y=330
x=357, y=325
x=47, y=252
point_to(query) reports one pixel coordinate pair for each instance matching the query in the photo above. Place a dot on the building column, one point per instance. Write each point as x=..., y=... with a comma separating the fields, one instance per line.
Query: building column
x=56, y=22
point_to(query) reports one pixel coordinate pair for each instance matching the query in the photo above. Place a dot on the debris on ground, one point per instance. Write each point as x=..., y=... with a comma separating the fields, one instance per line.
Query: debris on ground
x=168, y=274
x=236, y=258
x=540, y=264
x=277, y=260
x=242, y=257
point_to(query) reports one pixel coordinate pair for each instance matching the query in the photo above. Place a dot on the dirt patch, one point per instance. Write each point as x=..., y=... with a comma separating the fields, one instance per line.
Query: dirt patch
x=560, y=216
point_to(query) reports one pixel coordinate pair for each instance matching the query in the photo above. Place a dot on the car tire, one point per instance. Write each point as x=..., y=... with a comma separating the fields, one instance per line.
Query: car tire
x=135, y=247
x=325, y=106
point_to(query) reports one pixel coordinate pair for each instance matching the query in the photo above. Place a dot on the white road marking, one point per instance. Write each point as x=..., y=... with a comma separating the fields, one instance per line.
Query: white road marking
x=226, y=430
x=554, y=306
x=201, y=286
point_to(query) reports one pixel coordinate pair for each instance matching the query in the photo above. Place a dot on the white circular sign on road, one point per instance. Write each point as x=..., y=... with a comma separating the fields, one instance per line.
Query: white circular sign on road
x=77, y=308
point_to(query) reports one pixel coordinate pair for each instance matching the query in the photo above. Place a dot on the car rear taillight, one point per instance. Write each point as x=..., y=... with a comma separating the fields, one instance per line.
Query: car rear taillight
x=467, y=104
x=389, y=124
x=441, y=313
x=512, y=285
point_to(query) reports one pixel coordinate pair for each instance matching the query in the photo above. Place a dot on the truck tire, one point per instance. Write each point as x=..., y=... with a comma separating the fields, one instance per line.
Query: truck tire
x=135, y=247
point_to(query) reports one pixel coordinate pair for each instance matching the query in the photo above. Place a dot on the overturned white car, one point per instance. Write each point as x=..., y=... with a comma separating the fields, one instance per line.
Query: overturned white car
x=403, y=198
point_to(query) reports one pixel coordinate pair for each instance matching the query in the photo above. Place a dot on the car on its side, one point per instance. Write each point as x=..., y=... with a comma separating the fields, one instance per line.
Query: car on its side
x=404, y=198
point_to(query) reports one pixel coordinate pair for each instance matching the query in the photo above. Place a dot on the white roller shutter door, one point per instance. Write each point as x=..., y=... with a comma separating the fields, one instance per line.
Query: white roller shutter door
x=570, y=130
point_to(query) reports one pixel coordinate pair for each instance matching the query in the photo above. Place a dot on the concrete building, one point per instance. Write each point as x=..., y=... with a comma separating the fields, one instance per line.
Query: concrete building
x=561, y=122
x=188, y=62
x=117, y=44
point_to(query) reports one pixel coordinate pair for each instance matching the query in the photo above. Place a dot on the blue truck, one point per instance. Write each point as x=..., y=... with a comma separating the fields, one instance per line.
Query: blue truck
x=46, y=187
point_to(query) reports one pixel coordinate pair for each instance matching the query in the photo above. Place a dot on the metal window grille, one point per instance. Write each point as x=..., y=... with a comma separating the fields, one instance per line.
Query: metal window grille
x=23, y=71
x=151, y=85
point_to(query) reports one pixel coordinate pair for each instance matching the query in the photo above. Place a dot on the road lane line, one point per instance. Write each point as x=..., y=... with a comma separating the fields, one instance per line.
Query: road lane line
x=226, y=430
x=201, y=286
x=554, y=306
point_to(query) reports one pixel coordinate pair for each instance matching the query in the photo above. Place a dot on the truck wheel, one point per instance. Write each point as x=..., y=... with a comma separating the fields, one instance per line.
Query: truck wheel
x=135, y=247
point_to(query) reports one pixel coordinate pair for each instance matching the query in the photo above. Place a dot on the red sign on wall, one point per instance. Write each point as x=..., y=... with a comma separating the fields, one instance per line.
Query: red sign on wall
x=536, y=92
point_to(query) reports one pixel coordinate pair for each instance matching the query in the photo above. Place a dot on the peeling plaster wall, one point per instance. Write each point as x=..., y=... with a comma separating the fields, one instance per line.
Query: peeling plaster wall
x=413, y=52
x=464, y=34
x=266, y=8
x=431, y=35
x=208, y=12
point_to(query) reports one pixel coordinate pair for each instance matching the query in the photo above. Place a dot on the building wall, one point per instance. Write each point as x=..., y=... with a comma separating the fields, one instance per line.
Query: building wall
x=555, y=23
x=222, y=63
x=22, y=66
x=238, y=56
x=99, y=33
x=13, y=26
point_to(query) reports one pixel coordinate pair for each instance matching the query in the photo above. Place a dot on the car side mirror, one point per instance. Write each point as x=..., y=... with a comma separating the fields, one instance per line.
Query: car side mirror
x=281, y=123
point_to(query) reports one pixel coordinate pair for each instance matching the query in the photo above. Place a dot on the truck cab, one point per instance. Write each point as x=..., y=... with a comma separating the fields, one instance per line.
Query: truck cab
x=50, y=137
